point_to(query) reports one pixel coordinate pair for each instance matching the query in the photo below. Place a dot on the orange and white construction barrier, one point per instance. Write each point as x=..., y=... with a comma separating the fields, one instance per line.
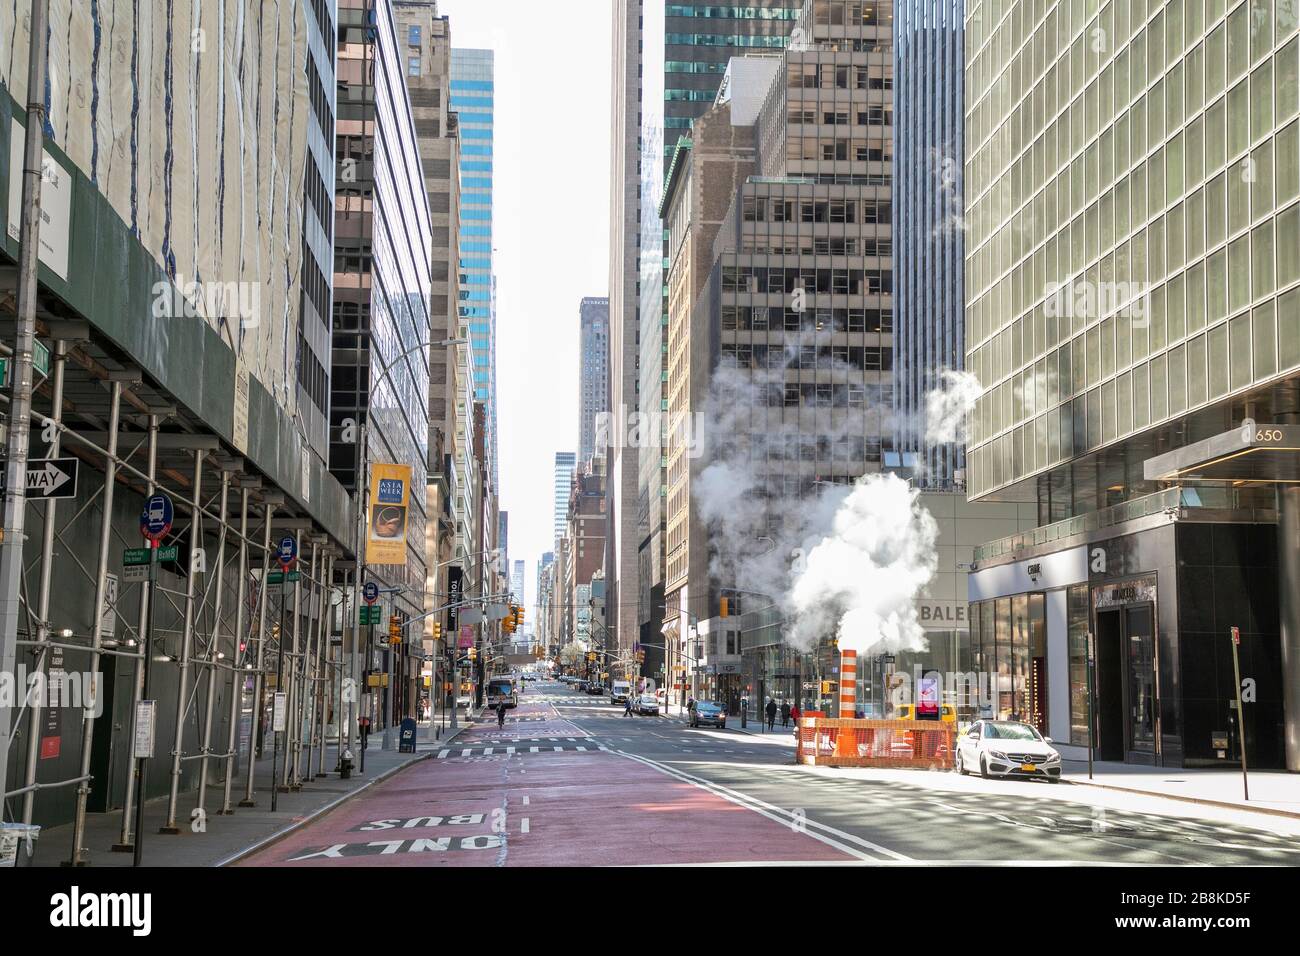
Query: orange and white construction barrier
x=848, y=684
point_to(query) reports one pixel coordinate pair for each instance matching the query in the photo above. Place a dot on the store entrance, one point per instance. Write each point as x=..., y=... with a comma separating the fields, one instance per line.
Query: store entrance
x=1125, y=675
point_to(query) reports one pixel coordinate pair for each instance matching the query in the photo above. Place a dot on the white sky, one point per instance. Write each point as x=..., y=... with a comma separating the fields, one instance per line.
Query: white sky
x=551, y=220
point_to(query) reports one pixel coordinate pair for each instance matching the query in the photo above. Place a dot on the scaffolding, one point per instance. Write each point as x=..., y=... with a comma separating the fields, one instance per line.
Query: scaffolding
x=208, y=622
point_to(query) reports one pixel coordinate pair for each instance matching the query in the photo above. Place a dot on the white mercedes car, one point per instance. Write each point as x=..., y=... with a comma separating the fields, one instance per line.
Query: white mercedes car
x=1007, y=748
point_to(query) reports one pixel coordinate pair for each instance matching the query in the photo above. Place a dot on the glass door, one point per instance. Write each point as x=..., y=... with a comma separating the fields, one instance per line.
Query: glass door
x=1141, y=679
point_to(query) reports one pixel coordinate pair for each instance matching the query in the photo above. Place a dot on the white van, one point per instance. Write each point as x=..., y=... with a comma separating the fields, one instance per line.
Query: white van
x=620, y=692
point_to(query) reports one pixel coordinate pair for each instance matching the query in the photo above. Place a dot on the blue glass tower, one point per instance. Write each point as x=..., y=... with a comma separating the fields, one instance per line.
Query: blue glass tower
x=472, y=95
x=929, y=237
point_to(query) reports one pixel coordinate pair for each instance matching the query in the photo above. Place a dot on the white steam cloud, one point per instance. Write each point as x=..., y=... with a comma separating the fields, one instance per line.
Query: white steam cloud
x=947, y=406
x=837, y=560
x=863, y=578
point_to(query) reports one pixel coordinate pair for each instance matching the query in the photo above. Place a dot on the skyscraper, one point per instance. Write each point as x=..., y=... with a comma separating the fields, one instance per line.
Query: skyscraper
x=564, y=462
x=517, y=581
x=929, y=73
x=593, y=372
x=668, y=62
x=473, y=97
x=381, y=301
x=1133, y=314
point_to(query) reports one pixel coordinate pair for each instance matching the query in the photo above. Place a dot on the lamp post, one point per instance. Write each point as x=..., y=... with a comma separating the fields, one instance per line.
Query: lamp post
x=363, y=472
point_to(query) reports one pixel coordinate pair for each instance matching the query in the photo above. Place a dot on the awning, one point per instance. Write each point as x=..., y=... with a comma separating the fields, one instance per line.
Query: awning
x=1250, y=453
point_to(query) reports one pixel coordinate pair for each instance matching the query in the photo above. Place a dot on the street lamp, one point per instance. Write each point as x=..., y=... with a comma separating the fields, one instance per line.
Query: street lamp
x=363, y=479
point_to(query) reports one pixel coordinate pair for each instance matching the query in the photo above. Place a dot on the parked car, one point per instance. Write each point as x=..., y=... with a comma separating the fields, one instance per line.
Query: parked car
x=708, y=713
x=646, y=705
x=1007, y=748
x=580, y=686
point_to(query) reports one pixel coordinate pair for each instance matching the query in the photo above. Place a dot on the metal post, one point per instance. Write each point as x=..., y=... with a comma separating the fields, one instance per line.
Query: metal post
x=187, y=637
x=320, y=687
x=43, y=595
x=1092, y=737
x=20, y=403
x=236, y=658
x=262, y=594
x=214, y=648
x=347, y=650
x=1241, y=715
x=276, y=783
x=97, y=632
x=370, y=656
x=142, y=666
x=299, y=681
x=145, y=667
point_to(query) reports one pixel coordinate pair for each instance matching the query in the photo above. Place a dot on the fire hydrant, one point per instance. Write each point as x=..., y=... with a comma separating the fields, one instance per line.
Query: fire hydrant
x=345, y=765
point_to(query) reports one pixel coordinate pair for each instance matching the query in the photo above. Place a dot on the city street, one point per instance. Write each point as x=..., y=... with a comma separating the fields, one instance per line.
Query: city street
x=571, y=781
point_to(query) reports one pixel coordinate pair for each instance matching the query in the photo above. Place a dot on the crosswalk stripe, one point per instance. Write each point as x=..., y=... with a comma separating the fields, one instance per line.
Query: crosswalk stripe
x=443, y=753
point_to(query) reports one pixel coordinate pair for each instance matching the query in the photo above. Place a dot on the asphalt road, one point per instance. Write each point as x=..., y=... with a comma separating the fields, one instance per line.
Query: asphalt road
x=571, y=781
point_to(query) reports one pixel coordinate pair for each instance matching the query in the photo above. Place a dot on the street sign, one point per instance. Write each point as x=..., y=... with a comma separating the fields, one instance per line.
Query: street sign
x=370, y=592
x=280, y=711
x=156, y=519
x=135, y=573
x=279, y=577
x=133, y=556
x=52, y=477
x=370, y=614
x=170, y=553
x=287, y=552
x=145, y=716
x=1236, y=635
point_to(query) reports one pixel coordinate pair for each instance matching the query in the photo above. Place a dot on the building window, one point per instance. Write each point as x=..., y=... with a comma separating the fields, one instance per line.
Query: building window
x=413, y=35
x=413, y=66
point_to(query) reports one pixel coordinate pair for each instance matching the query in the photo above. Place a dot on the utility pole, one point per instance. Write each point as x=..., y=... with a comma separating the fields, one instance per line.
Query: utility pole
x=20, y=403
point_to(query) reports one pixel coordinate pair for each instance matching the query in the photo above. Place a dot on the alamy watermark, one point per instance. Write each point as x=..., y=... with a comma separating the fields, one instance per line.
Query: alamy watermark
x=651, y=429
x=76, y=690
x=193, y=299
x=1082, y=299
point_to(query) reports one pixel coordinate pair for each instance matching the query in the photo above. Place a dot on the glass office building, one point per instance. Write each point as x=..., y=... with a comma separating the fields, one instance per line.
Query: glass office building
x=928, y=240
x=684, y=52
x=473, y=98
x=1132, y=299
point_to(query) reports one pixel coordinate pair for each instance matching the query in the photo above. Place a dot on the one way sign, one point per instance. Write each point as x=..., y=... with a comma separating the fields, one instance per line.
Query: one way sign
x=52, y=478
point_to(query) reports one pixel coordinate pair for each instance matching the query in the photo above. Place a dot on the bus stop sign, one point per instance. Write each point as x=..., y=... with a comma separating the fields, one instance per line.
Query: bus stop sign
x=156, y=519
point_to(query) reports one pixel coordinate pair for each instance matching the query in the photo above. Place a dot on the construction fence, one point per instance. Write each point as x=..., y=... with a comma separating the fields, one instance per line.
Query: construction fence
x=843, y=742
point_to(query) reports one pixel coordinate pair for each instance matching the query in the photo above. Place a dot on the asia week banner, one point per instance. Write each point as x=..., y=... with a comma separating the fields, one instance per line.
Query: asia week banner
x=390, y=488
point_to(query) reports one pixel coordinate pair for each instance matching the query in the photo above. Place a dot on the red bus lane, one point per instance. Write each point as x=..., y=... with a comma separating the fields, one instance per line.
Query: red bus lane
x=547, y=803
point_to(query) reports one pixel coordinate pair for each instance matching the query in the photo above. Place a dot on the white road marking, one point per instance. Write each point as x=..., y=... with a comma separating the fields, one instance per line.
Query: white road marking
x=830, y=835
x=523, y=826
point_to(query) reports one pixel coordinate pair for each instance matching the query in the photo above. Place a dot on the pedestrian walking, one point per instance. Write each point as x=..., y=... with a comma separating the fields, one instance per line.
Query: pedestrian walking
x=771, y=714
x=501, y=714
x=785, y=713
x=627, y=705
x=794, y=715
x=364, y=723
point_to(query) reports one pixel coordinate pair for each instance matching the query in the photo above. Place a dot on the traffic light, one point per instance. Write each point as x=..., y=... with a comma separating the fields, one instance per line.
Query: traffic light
x=473, y=653
x=519, y=616
x=437, y=630
x=394, y=630
x=828, y=687
x=723, y=607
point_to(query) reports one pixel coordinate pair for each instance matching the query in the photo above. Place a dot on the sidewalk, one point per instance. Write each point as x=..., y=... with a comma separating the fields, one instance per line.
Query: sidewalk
x=1271, y=791
x=227, y=837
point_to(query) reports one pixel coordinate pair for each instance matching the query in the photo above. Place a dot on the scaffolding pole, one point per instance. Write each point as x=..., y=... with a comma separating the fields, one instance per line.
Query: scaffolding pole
x=125, y=845
x=237, y=662
x=20, y=402
x=259, y=677
x=300, y=666
x=214, y=647
x=43, y=594
x=313, y=655
x=187, y=637
x=290, y=732
x=346, y=669
x=326, y=633
x=105, y=530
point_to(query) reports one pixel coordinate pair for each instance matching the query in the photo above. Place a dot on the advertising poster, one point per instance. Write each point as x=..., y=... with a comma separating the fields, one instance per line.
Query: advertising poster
x=390, y=487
